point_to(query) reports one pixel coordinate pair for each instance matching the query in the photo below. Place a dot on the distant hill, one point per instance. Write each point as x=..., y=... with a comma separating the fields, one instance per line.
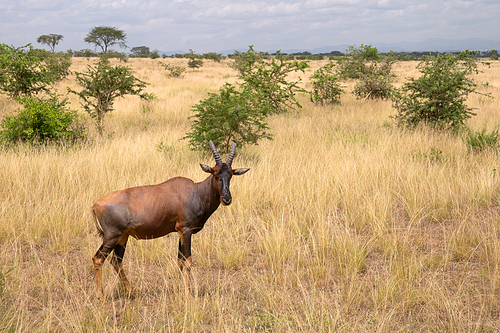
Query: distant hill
x=431, y=45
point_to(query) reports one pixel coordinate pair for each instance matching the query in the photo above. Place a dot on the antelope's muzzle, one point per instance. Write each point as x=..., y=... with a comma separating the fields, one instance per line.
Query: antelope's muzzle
x=226, y=198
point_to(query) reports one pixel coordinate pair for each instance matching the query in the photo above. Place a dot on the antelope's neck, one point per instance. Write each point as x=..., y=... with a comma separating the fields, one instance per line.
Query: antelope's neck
x=209, y=197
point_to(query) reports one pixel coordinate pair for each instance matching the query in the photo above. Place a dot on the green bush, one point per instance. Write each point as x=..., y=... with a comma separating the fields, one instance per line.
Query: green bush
x=326, y=88
x=243, y=62
x=102, y=84
x=26, y=71
x=438, y=96
x=238, y=113
x=194, y=60
x=113, y=54
x=42, y=121
x=174, y=71
x=270, y=80
x=229, y=115
x=87, y=53
x=216, y=57
x=376, y=82
x=482, y=140
x=155, y=54
x=354, y=64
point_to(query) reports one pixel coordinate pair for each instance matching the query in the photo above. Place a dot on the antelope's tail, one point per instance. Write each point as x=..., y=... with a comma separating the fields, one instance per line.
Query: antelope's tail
x=100, y=232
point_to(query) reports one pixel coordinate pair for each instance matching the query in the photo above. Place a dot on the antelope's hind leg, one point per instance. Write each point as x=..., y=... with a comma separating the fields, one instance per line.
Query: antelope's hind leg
x=98, y=260
x=116, y=261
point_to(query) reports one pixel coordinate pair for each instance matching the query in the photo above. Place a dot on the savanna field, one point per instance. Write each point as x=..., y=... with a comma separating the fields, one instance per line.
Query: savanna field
x=345, y=223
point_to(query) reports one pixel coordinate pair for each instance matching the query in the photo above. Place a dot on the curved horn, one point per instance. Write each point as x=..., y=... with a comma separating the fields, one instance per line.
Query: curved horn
x=231, y=154
x=218, y=160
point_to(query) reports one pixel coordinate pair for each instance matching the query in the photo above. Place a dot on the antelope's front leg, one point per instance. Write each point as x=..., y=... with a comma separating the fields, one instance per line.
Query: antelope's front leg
x=184, y=258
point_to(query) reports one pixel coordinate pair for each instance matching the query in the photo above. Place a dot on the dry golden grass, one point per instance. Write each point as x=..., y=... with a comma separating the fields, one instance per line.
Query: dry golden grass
x=344, y=223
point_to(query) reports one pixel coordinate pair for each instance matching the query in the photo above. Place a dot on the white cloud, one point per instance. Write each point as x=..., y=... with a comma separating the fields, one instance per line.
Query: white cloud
x=268, y=24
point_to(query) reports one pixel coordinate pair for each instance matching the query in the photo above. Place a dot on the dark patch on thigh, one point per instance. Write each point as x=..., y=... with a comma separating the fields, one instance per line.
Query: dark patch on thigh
x=118, y=253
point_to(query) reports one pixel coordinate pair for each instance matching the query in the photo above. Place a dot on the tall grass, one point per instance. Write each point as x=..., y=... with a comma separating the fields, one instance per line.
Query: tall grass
x=344, y=223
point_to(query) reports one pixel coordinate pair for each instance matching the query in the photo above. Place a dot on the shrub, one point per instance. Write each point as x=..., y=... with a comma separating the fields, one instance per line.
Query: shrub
x=42, y=121
x=25, y=71
x=354, y=64
x=229, y=115
x=482, y=140
x=269, y=80
x=155, y=54
x=113, y=54
x=438, y=96
x=243, y=62
x=216, y=57
x=238, y=114
x=195, y=63
x=174, y=71
x=375, y=83
x=87, y=53
x=194, y=60
x=326, y=88
x=104, y=83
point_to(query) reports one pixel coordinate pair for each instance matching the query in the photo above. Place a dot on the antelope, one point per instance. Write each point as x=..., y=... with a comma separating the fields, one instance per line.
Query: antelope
x=152, y=211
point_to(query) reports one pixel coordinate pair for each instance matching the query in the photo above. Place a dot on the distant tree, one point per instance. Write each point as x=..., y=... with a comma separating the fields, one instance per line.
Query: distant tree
x=155, y=54
x=140, y=51
x=104, y=37
x=114, y=54
x=51, y=40
x=217, y=57
x=87, y=53
x=194, y=60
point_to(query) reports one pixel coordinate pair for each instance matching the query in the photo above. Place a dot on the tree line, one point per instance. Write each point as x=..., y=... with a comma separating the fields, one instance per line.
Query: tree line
x=104, y=37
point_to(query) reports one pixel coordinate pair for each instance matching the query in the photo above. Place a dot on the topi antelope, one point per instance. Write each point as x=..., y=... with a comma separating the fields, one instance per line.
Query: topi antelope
x=147, y=212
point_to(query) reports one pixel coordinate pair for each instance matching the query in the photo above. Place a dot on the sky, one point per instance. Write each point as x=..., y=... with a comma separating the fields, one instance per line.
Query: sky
x=225, y=25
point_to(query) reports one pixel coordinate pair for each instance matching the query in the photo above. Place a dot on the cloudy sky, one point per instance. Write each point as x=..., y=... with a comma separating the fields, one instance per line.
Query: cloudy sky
x=222, y=25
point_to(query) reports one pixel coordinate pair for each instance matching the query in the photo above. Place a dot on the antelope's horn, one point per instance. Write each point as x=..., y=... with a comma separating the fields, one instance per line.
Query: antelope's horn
x=231, y=154
x=218, y=160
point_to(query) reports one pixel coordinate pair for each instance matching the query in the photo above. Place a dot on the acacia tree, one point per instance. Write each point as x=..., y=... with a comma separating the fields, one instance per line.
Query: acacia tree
x=104, y=83
x=140, y=51
x=104, y=37
x=51, y=40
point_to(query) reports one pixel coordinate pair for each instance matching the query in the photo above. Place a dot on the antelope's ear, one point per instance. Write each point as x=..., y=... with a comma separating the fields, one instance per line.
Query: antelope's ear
x=240, y=171
x=206, y=168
